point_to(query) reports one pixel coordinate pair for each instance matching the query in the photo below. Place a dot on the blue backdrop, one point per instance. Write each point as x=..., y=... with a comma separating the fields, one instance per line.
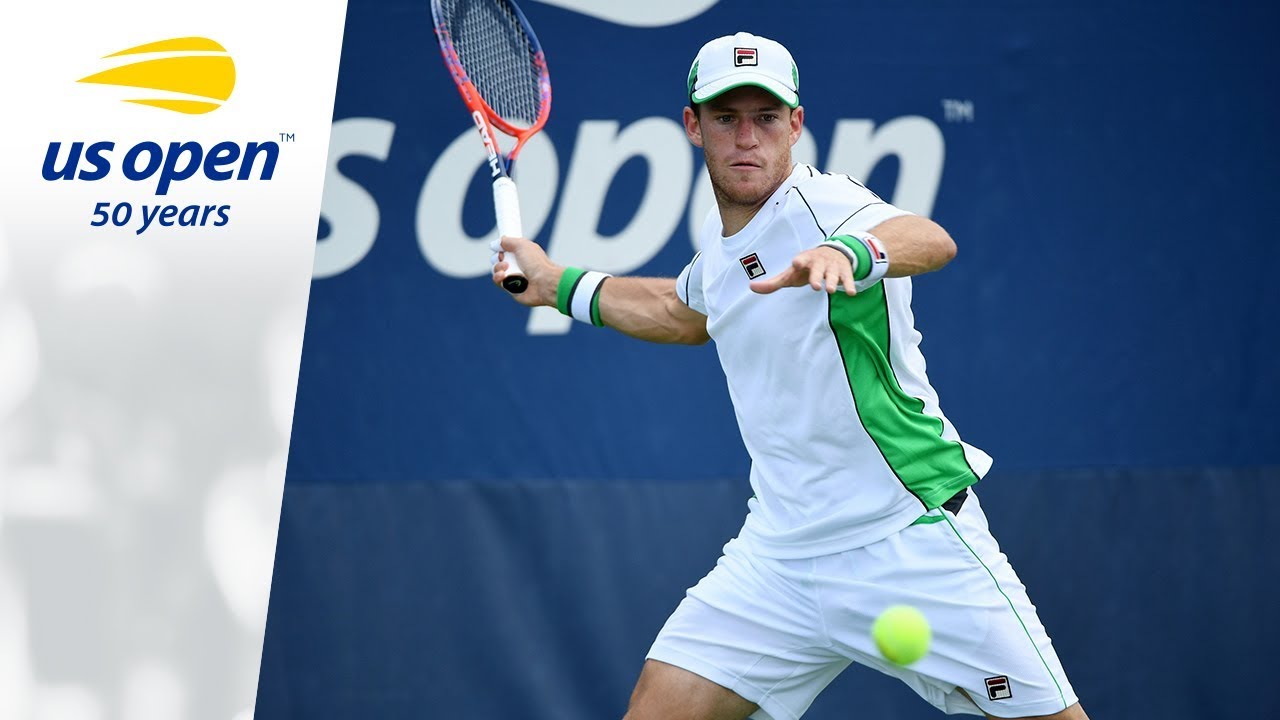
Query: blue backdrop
x=490, y=515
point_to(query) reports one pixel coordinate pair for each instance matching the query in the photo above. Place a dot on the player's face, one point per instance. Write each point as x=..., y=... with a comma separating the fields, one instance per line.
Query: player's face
x=746, y=135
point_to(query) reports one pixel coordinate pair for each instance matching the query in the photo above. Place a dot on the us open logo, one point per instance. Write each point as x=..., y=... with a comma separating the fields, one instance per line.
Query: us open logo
x=745, y=56
x=186, y=75
x=752, y=265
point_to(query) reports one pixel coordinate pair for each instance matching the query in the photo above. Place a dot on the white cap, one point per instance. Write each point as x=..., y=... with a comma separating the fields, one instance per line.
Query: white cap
x=744, y=59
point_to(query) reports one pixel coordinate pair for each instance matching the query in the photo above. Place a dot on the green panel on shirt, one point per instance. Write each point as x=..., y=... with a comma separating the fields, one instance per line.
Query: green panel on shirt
x=930, y=467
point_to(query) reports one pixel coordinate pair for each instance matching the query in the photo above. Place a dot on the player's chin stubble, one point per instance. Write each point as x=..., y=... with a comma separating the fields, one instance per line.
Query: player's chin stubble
x=729, y=192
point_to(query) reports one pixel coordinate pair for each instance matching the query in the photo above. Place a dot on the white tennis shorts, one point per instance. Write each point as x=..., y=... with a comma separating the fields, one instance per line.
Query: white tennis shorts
x=777, y=632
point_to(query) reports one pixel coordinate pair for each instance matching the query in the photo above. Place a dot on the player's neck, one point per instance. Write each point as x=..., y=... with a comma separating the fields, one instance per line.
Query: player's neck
x=734, y=217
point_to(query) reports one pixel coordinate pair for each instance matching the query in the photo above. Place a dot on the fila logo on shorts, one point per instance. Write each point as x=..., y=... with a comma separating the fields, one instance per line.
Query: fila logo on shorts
x=998, y=688
x=752, y=265
x=745, y=56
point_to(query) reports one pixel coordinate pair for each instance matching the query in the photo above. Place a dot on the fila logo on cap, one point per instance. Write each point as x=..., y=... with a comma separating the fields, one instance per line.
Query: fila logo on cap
x=732, y=61
x=998, y=688
x=752, y=265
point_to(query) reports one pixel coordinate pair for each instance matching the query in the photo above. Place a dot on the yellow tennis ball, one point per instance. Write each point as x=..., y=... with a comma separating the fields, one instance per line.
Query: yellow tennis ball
x=902, y=633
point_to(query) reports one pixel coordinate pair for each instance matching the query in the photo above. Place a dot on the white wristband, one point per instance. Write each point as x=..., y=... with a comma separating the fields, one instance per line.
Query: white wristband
x=879, y=261
x=584, y=297
x=872, y=253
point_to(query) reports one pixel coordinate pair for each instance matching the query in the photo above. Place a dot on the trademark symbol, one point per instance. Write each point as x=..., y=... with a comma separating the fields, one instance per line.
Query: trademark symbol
x=286, y=137
x=957, y=111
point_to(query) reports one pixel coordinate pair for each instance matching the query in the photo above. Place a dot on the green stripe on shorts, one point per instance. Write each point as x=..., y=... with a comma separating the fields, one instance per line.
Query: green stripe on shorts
x=1035, y=647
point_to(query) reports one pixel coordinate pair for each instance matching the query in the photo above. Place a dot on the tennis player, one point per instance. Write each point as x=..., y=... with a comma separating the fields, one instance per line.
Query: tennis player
x=862, y=486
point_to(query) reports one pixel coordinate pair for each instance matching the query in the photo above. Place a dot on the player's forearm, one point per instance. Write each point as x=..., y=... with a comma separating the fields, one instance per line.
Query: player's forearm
x=645, y=308
x=915, y=245
x=649, y=309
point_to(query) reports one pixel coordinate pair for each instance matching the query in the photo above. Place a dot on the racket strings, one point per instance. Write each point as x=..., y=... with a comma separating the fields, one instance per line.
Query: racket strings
x=498, y=56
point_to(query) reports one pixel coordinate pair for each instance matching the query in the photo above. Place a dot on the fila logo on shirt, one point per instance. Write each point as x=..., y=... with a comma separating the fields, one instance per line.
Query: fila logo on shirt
x=752, y=265
x=998, y=688
x=744, y=56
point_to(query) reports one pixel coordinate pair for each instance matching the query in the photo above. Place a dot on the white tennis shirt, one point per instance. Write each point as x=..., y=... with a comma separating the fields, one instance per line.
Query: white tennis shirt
x=848, y=444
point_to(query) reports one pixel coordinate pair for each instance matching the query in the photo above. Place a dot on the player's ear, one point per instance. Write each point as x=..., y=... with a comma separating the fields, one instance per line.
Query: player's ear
x=692, y=127
x=797, y=123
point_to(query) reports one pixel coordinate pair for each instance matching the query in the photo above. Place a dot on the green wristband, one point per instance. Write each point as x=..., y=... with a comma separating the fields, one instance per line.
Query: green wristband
x=564, y=291
x=864, y=255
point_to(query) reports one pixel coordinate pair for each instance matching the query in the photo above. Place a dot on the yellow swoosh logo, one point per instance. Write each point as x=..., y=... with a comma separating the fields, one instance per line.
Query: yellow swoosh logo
x=193, y=66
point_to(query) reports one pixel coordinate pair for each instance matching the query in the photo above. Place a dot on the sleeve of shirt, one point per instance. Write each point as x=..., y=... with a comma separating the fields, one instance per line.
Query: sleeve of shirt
x=841, y=205
x=689, y=285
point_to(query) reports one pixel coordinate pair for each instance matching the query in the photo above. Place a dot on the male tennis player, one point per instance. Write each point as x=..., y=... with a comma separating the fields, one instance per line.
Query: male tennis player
x=861, y=484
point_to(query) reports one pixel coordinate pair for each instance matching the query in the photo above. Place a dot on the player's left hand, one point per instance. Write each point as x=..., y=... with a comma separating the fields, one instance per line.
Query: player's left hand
x=821, y=268
x=543, y=275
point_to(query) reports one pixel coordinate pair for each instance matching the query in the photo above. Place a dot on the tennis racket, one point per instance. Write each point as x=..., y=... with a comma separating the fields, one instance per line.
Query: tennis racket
x=501, y=73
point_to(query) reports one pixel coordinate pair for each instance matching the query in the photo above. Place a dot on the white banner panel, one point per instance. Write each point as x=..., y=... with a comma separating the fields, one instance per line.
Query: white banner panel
x=159, y=195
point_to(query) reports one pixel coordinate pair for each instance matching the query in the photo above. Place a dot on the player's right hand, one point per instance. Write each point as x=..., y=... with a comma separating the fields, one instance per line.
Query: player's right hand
x=543, y=275
x=821, y=268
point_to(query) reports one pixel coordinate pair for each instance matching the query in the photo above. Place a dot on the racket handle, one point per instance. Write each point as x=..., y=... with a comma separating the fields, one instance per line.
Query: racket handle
x=506, y=204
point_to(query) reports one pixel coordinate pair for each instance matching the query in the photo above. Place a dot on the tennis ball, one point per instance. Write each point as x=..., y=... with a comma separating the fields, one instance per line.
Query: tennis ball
x=902, y=634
